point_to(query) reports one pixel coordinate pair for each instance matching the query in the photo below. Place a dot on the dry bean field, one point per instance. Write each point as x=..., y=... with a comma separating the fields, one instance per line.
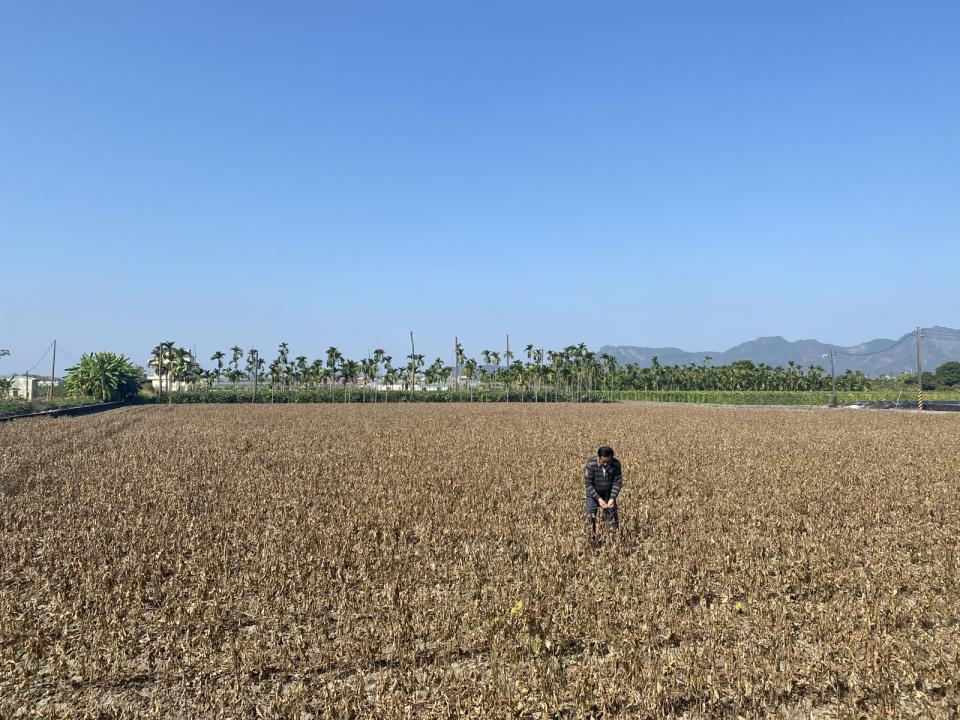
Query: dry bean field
x=421, y=561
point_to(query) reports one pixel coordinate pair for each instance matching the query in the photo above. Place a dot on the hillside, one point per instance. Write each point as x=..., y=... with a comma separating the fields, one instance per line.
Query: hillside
x=873, y=357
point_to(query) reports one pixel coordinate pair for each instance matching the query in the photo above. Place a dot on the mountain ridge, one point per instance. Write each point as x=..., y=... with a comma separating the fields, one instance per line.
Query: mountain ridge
x=880, y=356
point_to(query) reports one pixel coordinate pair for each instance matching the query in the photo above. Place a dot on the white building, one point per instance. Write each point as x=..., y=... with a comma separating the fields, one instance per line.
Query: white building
x=24, y=387
x=169, y=385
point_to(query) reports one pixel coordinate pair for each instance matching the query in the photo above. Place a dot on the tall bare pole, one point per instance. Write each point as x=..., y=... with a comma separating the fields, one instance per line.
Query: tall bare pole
x=506, y=360
x=53, y=371
x=456, y=364
x=833, y=381
x=256, y=373
x=413, y=363
x=919, y=373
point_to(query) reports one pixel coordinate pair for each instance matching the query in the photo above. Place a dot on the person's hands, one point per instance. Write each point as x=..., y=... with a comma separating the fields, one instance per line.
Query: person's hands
x=603, y=504
x=610, y=503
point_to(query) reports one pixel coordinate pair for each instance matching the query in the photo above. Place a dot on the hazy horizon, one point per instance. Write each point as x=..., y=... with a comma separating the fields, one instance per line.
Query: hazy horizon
x=67, y=355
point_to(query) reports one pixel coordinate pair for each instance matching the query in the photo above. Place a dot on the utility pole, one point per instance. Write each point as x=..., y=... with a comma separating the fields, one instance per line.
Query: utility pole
x=456, y=365
x=53, y=371
x=413, y=363
x=833, y=381
x=256, y=373
x=506, y=359
x=919, y=373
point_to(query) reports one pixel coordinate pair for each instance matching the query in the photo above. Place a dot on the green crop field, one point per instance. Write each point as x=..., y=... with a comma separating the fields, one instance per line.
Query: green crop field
x=761, y=397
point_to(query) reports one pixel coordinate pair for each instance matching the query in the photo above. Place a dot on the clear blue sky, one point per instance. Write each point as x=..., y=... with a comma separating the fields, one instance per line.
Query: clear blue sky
x=685, y=173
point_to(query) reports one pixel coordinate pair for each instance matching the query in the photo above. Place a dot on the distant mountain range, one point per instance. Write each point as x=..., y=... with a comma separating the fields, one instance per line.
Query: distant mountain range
x=874, y=357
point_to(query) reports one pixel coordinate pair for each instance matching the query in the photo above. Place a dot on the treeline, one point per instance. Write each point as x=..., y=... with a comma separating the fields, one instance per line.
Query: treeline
x=946, y=377
x=574, y=369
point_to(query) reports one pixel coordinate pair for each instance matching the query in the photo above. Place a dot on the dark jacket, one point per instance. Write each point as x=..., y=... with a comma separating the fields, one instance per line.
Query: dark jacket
x=600, y=484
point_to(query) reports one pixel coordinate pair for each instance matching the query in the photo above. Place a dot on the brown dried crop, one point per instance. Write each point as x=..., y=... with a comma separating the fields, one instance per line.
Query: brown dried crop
x=429, y=562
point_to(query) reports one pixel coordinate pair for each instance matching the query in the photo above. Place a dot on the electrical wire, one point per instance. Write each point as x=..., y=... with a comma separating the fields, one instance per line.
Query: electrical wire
x=45, y=352
x=876, y=352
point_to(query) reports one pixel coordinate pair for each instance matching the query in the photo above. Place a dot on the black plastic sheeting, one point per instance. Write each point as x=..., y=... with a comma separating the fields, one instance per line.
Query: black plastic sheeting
x=69, y=412
x=937, y=405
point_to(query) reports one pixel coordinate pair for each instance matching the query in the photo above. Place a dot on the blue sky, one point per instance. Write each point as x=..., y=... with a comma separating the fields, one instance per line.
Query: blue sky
x=688, y=173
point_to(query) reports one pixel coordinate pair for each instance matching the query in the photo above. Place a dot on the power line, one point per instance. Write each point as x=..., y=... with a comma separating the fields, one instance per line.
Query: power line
x=876, y=352
x=45, y=352
x=70, y=352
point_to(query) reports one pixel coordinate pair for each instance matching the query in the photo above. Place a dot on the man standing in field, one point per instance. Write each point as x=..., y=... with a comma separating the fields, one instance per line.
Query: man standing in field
x=602, y=480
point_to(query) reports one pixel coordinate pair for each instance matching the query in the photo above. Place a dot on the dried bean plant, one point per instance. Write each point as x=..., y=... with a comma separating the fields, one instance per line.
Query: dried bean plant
x=429, y=562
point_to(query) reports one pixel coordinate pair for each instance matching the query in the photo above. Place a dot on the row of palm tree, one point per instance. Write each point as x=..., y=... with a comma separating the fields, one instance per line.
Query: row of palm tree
x=174, y=364
x=574, y=369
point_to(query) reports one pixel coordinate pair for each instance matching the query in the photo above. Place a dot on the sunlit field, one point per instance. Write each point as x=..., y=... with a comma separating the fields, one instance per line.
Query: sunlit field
x=430, y=561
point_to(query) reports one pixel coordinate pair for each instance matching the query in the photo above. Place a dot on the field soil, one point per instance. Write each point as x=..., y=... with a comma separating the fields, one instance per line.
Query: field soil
x=429, y=561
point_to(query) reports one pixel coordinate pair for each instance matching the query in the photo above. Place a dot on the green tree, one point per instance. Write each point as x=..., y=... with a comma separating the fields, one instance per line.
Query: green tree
x=948, y=374
x=105, y=376
x=434, y=374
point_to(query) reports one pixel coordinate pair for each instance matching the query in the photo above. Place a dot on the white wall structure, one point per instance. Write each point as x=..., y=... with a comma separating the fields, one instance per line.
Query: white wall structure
x=172, y=385
x=24, y=387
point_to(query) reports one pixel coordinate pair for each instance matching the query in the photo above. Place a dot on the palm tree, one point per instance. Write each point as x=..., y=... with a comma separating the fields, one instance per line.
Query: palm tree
x=316, y=372
x=390, y=374
x=369, y=368
x=608, y=365
x=349, y=370
x=470, y=372
x=434, y=373
x=275, y=373
x=218, y=357
x=516, y=375
x=458, y=358
x=156, y=362
x=166, y=358
x=378, y=355
x=413, y=366
x=235, y=362
x=487, y=356
x=177, y=361
x=255, y=364
x=300, y=364
x=333, y=357
x=538, y=358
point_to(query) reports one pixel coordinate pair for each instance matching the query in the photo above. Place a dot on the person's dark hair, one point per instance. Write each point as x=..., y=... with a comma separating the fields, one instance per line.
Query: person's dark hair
x=605, y=451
